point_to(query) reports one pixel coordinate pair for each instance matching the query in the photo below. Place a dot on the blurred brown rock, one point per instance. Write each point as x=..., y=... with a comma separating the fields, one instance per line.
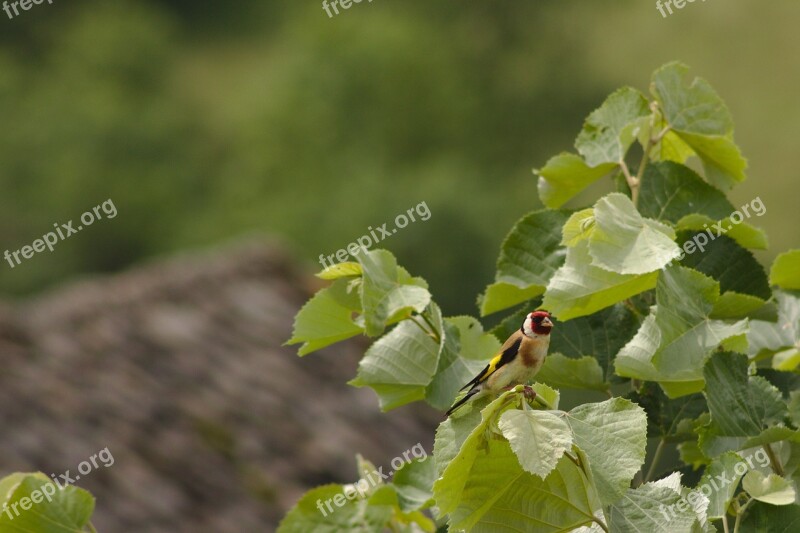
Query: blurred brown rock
x=178, y=368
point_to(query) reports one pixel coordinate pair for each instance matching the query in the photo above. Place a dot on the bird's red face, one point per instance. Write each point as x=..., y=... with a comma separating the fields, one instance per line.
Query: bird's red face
x=537, y=323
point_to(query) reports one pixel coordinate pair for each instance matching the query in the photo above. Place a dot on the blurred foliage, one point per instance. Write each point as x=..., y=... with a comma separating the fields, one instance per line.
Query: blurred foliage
x=203, y=121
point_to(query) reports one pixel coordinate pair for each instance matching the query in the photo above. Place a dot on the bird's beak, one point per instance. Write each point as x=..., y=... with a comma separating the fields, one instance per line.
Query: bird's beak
x=547, y=322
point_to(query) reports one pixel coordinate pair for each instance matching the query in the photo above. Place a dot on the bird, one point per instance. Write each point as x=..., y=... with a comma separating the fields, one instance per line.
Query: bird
x=519, y=359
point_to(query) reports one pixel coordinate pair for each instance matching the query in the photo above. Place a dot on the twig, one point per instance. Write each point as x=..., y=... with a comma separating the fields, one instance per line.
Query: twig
x=773, y=459
x=656, y=459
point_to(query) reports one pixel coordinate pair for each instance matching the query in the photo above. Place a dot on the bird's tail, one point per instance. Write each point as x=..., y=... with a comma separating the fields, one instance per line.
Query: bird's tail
x=462, y=401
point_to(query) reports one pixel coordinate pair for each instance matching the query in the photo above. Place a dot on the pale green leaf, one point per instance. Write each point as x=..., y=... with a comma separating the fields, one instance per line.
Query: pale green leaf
x=340, y=270
x=579, y=226
x=578, y=288
x=624, y=242
x=674, y=341
x=414, y=484
x=317, y=511
x=386, y=294
x=324, y=320
x=565, y=175
x=611, y=129
x=399, y=366
x=651, y=508
x=719, y=483
x=538, y=438
x=613, y=434
x=34, y=503
x=785, y=271
x=782, y=337
x=771, y=489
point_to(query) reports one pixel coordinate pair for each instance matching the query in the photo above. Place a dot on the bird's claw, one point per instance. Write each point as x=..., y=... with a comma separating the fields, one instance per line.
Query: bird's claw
x=529, y=393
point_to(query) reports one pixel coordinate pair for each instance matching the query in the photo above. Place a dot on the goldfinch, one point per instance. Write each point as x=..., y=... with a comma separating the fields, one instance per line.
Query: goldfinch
x=519, y=359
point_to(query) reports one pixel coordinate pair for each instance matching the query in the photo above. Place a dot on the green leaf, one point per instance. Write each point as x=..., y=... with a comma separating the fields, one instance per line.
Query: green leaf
x=340, y=270
x=610, y=130
x=464, y=352
x=529, y=256
x=722, y=470
x=578, y=288
x=538, y=438
x=771, y=489
x=387, y=293
x=700, y=118
x=785, y=271
x=452, y=433
x=600, y=335
x=613, y=434
x=734, y=267
x=666, y=418
x=670, y=191
x=565, y=372
x=399, y=366
x=565, y=175
x=674, y=341
x=768, y=518
x=449, y=487
x=414, y=484
x=499, y=491
x=780, y=339
x=743, y=233
x=42, y=506
x=652, y=507
x=740, y=405
x=324, y=320
x=626, y=243
x=355, y=514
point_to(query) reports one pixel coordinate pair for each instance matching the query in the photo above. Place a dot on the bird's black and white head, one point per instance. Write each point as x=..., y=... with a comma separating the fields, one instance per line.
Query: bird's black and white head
x=537, y=324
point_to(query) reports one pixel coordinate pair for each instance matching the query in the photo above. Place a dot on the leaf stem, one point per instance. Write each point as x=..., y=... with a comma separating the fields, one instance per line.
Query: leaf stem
x=433, y=328
x=740, y=514
x=656, y=459
x=413, y=319
x=725, y=523
x=601, y=524
x=773, y=459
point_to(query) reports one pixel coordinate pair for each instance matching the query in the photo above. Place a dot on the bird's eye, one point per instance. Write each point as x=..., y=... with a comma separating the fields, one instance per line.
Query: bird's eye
x=537, y=319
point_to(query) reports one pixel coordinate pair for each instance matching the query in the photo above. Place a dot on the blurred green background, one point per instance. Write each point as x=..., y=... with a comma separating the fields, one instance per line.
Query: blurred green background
x=204, y=121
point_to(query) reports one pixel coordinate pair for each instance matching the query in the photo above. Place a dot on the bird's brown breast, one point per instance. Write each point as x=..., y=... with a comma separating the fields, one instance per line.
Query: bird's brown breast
x=533, y=351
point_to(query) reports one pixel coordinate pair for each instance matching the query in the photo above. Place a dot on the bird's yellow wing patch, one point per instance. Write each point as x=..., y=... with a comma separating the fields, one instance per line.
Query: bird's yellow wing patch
x=493, y=364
